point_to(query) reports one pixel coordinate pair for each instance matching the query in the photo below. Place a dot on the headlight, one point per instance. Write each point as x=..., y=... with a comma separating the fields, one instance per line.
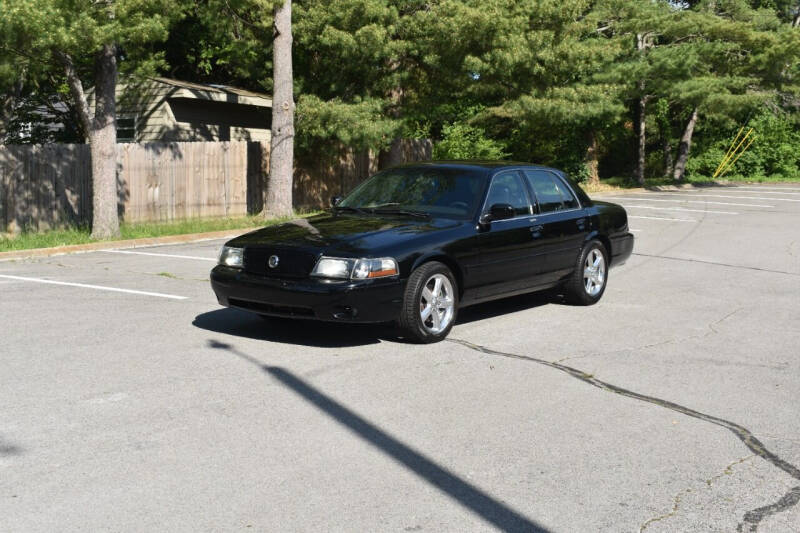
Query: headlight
x=232, y=257
x=375, y=268
x=333, y=267
x=346, y=268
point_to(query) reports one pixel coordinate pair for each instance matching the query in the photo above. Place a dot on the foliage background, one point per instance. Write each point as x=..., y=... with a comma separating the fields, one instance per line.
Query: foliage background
x=555, y=82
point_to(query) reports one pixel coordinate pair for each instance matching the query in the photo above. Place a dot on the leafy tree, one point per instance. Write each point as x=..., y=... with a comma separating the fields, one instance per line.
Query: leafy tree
x=86, y=41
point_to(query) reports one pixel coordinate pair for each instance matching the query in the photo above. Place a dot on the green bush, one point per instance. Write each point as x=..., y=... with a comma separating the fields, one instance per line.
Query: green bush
x=462, y=141
x=774, y=153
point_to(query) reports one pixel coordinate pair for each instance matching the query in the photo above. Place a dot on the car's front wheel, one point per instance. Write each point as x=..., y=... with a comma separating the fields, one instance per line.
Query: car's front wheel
x=588, y=282
x=430, y=303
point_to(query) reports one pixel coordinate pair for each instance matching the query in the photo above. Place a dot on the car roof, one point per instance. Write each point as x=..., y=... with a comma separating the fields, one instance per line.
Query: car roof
x=476, y=165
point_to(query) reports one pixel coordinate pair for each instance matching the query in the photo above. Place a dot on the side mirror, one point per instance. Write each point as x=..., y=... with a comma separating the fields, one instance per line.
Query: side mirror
x=498, y=212
x=335, y=200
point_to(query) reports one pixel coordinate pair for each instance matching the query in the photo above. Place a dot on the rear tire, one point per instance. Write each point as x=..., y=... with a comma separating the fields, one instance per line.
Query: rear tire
x=588, y=282
x=430, y=304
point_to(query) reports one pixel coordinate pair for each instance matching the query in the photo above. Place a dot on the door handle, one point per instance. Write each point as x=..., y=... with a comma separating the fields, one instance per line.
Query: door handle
x=537, y=228
x=581, y=223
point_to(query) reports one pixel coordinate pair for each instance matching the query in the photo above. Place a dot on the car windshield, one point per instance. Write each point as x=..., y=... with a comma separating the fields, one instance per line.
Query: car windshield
x=445, y=192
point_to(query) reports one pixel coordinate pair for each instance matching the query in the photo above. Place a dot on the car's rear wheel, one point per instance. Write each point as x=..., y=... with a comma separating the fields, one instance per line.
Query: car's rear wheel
x=430, y=303
x=588, y=282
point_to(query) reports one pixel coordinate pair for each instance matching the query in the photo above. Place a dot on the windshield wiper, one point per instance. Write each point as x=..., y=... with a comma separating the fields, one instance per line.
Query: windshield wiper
x=348, y=208
x=407, y=212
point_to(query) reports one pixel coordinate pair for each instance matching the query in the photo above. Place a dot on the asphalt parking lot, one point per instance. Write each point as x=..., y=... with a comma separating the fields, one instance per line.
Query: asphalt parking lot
x=129, y=400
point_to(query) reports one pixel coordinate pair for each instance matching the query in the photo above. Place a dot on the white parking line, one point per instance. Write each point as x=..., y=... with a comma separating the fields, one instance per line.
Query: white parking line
x=161, y=255
x=687, y=201
x=630, y=206
x=785, y=190
x=706, y=195
x=95, y=287
x=669, y=219
x=754, y=191
x=634, y=230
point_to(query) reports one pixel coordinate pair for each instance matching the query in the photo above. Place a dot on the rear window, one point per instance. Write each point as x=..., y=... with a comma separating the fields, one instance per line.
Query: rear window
x=551, y=193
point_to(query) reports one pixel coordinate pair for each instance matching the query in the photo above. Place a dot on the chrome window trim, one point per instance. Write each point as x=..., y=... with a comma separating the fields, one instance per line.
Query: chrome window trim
x=557, y=212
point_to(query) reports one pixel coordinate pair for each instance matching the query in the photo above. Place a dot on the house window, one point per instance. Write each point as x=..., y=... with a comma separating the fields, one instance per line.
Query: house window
x=126, y=129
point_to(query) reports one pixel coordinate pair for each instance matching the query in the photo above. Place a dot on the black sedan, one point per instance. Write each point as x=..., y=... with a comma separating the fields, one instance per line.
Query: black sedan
x=415, y=243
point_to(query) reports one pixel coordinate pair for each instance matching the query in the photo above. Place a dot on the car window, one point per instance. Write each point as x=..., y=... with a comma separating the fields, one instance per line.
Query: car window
x=551, y=194
x=442, y=192
x=508, y=188
x=576, y=188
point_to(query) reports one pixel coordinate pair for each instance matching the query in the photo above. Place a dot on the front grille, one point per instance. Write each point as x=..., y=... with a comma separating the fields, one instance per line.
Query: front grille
x=269, y=309
x=292, y=264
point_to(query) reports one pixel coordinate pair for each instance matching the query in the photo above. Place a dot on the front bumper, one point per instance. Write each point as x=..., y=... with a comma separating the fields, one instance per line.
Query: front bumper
x=621, y=248
x=367, y=301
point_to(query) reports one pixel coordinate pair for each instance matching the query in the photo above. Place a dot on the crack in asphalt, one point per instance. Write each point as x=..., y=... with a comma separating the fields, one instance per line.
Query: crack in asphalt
x=752, y=518
x=678, y=498
x=701, y=261
x=675, y=506
x=711, y=330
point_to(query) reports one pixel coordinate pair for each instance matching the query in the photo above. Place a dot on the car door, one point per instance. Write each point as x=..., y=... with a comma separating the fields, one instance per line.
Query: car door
x=507, y=247
x=561, y=222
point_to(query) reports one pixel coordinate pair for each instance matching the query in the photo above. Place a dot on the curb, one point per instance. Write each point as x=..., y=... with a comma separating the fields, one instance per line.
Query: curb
x=639, y=190
x=680, y=187
x=121, y=245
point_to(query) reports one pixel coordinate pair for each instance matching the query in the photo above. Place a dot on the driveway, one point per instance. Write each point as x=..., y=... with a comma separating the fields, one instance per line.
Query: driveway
x=129, y=400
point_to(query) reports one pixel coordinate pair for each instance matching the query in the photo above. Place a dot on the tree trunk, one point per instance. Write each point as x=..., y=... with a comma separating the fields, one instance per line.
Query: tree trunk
x=394, y=155
x=101, y=131
x=641, y=105
x=642, y=43
x=103, y=146
x=591, y=158
x=668, y=162
x=77, y=93
x=281, y=159
x=684, y=147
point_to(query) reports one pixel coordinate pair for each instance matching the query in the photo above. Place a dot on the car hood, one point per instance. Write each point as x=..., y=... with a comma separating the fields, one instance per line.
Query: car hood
x=344, y=232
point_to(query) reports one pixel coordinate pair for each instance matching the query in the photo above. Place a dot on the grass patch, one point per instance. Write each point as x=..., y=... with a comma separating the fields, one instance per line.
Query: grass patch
x=624, y=182
x=69, y=236
x=736, y=178
x=48, y=239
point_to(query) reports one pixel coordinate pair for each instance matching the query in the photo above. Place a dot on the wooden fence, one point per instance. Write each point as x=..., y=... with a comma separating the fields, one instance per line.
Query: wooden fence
x=49, y=186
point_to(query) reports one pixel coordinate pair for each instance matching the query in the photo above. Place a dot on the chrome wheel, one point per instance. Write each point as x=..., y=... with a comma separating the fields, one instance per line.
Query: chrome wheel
x=437, y=303
x=594, y=272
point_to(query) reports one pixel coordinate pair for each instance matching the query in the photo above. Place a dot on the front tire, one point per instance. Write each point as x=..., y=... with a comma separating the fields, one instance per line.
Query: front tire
x=588, y=282
x=430, y=304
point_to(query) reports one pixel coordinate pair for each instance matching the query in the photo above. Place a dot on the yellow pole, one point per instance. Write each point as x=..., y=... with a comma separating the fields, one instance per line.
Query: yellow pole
x=730, y=149
x=738, y=156
x=735, y=150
